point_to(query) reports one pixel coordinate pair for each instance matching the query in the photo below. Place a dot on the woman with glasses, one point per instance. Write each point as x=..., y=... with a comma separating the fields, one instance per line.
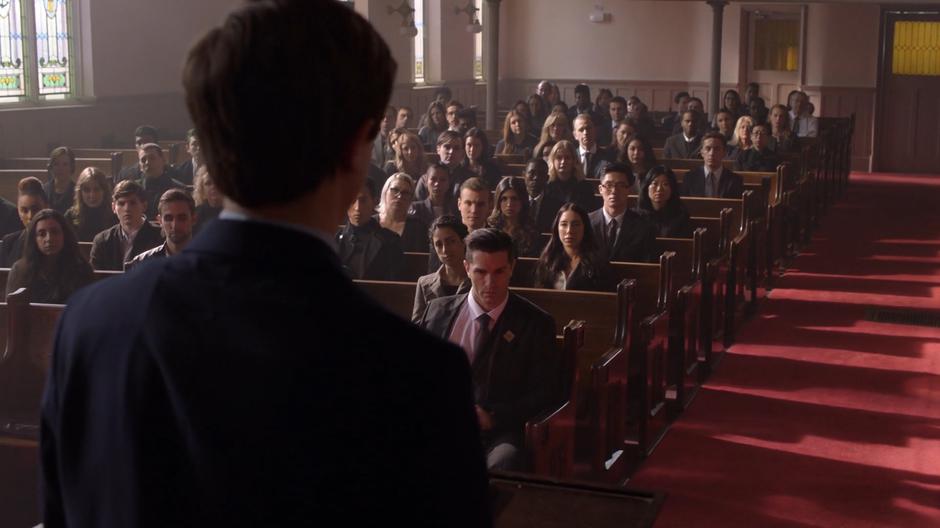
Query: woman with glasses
x=511, y=215
x=394, y=204
x=659, y=201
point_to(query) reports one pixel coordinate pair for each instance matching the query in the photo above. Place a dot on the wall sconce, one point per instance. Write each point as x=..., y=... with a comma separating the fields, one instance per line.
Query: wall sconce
x=408, y=28
x=473, y=22
x=599, y=16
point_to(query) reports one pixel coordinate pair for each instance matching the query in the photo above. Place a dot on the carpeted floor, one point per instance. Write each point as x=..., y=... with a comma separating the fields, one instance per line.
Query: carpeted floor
x=817, y=416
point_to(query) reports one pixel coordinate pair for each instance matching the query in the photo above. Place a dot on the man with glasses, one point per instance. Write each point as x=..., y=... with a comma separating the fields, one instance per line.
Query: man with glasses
x=760, y=157
x=624, y=235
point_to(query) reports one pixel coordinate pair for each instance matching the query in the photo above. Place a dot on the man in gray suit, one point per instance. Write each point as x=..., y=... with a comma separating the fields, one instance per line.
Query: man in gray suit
x=509, y=341
x=685, y=144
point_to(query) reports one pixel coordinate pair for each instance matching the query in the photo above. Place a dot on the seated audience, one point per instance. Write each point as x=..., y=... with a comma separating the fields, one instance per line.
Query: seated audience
x=366, y=249
x=516, y=138
x=452, y=108
x=732, y=104
x=660, y=203
x=91, y=212
x=557, y=127
x=511, y=215
x=440, y=200
x=622, y=234
x=381, y=149
x=625, y=131
x=30, y=199
x=566, y=181
x=538, y=110
x=479, y=162
x=60, y=187
x=758, y=110
x=394, y=204
x=711, y=180
x=583, y=104
x=132, y=235
x=510, y=344
x=394, y=135
x=403, y=120
x=782, y=137
x=759, y=157
x=52, y=267
x=698, y=106
x=536, y=178
x=750, y=93
x=474, y=203
x=177, y=218
x=409, y=156
x=617, y=114
x=157, y=176
x=592, y=157
x=685, y=144
x=640, y=157
x=9, y=218
x=638, y=112
x=466, y=119
x=436, y=123
x=724, y=123
x=207, y=197
x=804, y=124
x=442, y=94
x=543, y=150
x=572, y=259
x=522, y=108
x=673, y=122
x=186, y=172
x=447, y=236
x=741, y=141
x=450, y=152
x=143, y=135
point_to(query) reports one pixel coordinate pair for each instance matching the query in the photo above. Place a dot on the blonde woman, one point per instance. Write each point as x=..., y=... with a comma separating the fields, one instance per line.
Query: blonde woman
x=409, y=157
x=742, y=137
x=394, y=203
x=566, y=182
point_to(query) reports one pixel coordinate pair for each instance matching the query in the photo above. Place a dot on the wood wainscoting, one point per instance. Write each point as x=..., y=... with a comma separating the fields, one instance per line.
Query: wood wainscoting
x=832, y=101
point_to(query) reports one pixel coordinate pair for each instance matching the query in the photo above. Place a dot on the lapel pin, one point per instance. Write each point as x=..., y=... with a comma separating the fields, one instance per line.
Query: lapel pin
x=509, y=336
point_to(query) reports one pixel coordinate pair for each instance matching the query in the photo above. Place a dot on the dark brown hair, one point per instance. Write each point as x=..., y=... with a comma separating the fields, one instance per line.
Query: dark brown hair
x=281, y=73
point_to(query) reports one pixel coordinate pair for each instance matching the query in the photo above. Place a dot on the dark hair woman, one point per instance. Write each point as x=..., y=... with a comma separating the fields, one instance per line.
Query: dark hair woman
x=60, y=188
x=537, y=109
x=659, y=201
x=91, y=212
x=511, y=215
x=478, y=160
x=30, y=199
x=52, y=267
x=572, y=259
x=436, y=119
x=639, y=156
x=447, y=234
x=516, y=137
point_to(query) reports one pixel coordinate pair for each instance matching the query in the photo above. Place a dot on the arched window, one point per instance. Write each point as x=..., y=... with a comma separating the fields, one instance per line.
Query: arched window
x=37, y=50
x=419, y=42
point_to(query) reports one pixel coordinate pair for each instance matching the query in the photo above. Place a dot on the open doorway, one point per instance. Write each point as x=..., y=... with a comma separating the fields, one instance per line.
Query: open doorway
x=772, y=49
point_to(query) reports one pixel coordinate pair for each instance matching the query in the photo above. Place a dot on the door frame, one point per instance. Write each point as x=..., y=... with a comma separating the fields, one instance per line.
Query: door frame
x=880, y=79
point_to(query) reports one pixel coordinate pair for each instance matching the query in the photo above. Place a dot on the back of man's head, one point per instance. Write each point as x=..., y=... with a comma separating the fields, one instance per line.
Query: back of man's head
x=281, y=73
x=490, y=240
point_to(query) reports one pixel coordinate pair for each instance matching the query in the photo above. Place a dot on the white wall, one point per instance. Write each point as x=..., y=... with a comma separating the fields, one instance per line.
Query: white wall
x=842, y=45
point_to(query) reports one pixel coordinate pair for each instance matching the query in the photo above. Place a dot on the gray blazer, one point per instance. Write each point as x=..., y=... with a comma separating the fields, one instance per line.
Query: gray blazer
x=430, y=287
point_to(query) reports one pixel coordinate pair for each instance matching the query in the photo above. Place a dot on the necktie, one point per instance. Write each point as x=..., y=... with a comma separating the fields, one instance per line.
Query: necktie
x=482, y=335
x=611, y=236
x=587, y=163
x=709, y=185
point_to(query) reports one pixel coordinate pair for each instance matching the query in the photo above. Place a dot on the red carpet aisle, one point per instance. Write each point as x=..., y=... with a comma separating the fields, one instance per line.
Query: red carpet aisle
x=817, y=417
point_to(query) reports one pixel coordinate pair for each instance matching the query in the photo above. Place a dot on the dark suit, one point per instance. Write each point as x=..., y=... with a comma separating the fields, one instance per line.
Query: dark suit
x=60, y=202
x=11, y=248
x=678, y=148
x=542, y=216
x=155, y=187
x=106, y=252
x=558, y=193
x=518, y=374
x=370, y=251
x=9, y=218
x=756, y=160
x=423, y=210
x=636, y=238
x=598, y=162
x=185, y=172
x=430, y=287
x=224, y=387
x=730, y=186
x=131, y=172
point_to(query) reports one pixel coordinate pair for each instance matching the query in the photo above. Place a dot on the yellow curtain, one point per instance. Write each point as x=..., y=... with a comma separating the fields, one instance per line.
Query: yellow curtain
x=916, y=48
x=776, y=45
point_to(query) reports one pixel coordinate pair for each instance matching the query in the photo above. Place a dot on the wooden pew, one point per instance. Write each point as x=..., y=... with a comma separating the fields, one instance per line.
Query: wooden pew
x=5, y=274
x=85, y=249
x=103, y=164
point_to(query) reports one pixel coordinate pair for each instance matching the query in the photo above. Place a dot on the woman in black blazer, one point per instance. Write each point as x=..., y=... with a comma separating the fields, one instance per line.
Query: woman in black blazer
x=660, y=203
x=571, y=260
x=566, y=181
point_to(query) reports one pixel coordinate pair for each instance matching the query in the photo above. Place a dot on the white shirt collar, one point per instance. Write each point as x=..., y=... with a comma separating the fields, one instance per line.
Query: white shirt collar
x=687, y=138
x=608, y=218
x=593, y=150
x=476, y=310
x=715, y=173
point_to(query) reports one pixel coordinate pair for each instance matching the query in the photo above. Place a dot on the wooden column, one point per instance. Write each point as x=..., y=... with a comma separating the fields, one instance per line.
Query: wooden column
x=714, y=92
x=491, y=60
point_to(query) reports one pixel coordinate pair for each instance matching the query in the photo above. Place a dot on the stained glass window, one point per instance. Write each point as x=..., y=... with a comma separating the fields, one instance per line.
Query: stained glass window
x=53, y=46
x=916, y=49
x=419, y=41
x=12, y=72
x=478, y=45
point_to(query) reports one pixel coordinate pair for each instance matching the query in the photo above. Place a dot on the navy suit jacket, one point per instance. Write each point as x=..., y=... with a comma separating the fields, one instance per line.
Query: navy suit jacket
x=730, y=186
x=636, y=238
x=233, y=385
